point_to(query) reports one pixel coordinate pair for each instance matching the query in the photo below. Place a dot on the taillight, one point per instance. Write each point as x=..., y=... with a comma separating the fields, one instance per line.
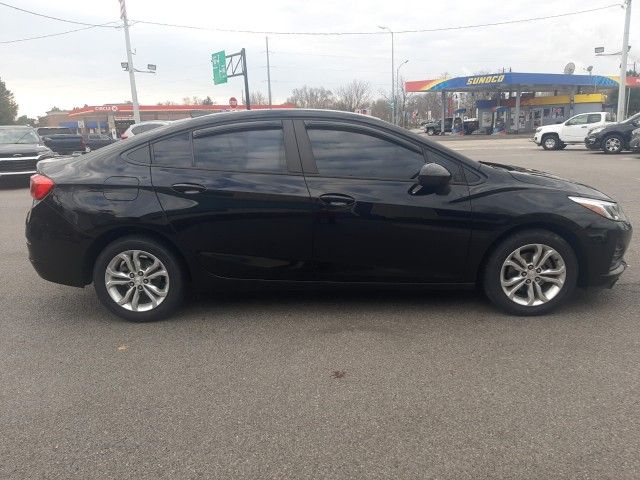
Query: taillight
x=40, y=186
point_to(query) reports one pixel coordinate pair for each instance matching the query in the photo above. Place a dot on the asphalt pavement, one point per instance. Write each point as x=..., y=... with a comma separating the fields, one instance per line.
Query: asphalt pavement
x=332, y=384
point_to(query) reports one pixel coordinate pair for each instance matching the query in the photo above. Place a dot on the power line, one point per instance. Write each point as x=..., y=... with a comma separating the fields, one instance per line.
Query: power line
x=50, y=17
x=52, y=34
x=375, y=32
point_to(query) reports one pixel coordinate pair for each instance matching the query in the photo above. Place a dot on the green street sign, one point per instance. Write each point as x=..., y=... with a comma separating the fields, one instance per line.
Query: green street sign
x=219, y=62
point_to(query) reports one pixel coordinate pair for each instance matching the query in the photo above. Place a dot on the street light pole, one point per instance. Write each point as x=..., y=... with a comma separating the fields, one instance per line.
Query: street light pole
x=393, y=87
x=398, y=83
x=132, y=73
x=622, y=87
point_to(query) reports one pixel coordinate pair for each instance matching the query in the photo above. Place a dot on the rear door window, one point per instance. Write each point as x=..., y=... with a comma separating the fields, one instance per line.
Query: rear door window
x=247, y=150
x=173, y=151
x=593, y=118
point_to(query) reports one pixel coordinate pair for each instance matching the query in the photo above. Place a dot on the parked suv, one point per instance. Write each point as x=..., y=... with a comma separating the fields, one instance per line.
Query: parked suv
x=314, y=198
x=20, y=150
x=573, y=131
x=613, y=138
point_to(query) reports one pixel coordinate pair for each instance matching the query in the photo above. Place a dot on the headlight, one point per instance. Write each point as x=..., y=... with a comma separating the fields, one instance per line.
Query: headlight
x=595, y=130
x=538, y=130
x=610, y=210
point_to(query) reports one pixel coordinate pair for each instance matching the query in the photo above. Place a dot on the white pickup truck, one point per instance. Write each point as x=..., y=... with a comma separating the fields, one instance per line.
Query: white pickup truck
x=573, y=131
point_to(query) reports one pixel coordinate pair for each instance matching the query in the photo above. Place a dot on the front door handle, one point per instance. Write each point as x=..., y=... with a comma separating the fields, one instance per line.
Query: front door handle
x=188, y=188
x=337, y=200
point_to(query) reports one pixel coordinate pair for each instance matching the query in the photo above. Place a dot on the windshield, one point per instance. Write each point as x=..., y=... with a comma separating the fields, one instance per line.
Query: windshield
x=18, y=135
x=632, y=119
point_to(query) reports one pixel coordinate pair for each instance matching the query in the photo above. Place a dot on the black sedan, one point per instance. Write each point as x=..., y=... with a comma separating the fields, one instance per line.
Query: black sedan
x=614, y=137
x=313, y=198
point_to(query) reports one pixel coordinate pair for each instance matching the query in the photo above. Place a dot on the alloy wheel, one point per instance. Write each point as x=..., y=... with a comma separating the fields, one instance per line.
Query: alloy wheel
x=533, y=275
x=612, y=144
x=550, y=143
x=136, y=280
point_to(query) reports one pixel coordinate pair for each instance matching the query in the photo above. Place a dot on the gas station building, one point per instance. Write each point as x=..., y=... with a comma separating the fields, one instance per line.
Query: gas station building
x=115, y=118
x=521, y=102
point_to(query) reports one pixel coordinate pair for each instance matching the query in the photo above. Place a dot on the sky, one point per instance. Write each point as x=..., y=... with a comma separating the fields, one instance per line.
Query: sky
x=84, y=67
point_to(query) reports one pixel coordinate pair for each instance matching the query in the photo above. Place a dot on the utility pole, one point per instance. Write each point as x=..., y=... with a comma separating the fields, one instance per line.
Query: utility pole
x=622, y=87
x=393, y=71
x=132, y=73
x=266, y=39
x=246, y=78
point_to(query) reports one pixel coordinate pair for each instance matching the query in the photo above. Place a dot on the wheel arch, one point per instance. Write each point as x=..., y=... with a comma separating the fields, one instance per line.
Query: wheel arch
x=126, y=231
x=561, y=230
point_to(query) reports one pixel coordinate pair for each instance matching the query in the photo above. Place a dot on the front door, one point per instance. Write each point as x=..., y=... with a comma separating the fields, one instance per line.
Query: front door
x=236, y=199
x=371, y=221
x=576, y=128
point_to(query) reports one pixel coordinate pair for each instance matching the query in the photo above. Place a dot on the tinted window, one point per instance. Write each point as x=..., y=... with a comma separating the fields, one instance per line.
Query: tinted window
x=245, y=150
x=174, y=151
x=139, y=155
x=593, y=118
x=341, y=153
x=446, y=162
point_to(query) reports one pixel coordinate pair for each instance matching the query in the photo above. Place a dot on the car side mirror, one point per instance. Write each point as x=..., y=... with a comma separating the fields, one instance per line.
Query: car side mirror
x=433, y=175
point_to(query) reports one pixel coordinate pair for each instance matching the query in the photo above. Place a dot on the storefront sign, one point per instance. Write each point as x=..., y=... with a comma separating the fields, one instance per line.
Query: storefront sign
x=106, y=108
x=485, y=79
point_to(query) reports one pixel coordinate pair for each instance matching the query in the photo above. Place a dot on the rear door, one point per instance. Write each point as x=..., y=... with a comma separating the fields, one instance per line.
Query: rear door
x=236, y=198
x=372, y=222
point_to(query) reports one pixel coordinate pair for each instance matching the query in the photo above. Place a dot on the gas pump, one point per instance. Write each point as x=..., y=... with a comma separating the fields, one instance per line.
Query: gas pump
x=500, y=120
x=458, y=122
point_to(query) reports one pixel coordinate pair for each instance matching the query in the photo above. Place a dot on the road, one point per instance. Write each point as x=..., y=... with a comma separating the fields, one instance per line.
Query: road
x=324, y=384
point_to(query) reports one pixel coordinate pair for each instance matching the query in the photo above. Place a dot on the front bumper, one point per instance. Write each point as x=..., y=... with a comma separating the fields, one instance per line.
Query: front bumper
x=604, y=251
x=537, y=139
x=592, y=142
x=634, y=145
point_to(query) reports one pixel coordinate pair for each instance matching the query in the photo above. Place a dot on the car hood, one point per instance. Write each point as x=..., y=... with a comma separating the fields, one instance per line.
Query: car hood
x=13, y=148
x=548, y=180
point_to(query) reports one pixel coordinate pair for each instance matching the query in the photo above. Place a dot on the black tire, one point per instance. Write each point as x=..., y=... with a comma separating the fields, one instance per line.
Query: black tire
x=175, y=278
x=430, y=131
x=550, y=141
x=493, y=271
x=612, y=144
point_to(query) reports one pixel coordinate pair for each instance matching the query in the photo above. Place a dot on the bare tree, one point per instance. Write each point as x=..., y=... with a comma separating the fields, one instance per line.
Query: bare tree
x=353, y=96
x=207, y=101
x=381, y=108
x=311, y=97
x=167, y=102
x=258, y=98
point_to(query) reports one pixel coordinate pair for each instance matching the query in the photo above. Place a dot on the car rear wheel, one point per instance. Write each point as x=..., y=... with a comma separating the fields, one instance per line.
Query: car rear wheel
x=550, y=142
x=531, y=273
x=612, y=144
x=138, y=279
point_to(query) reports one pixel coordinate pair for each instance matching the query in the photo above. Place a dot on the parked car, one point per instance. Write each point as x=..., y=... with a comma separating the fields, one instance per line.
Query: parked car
x=573, y=131
x=138, y=128
x=634, y=145
x=62, y=140
x=20, y=150
x=434, y=127
x=613, y=138
x=94, y=141
x=313, y=198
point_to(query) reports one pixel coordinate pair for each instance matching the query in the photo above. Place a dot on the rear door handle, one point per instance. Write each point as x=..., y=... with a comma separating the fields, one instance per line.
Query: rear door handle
x=188, y=188
x=337, y=200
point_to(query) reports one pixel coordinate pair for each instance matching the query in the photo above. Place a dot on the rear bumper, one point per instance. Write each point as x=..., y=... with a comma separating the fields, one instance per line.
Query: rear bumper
x=56, y=249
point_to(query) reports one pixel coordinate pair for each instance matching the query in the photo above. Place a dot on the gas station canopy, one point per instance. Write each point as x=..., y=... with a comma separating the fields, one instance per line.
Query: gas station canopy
x=511, y=81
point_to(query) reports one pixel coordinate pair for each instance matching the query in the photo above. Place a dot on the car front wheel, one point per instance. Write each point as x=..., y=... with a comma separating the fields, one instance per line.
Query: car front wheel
x=138, y=279
x=612, y=144
x=531, y=273
x=550, y=142
x=430, y=131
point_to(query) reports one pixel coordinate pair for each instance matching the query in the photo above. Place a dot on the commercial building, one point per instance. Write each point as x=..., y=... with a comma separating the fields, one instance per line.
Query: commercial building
x=520, y=102
x=115, y=118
